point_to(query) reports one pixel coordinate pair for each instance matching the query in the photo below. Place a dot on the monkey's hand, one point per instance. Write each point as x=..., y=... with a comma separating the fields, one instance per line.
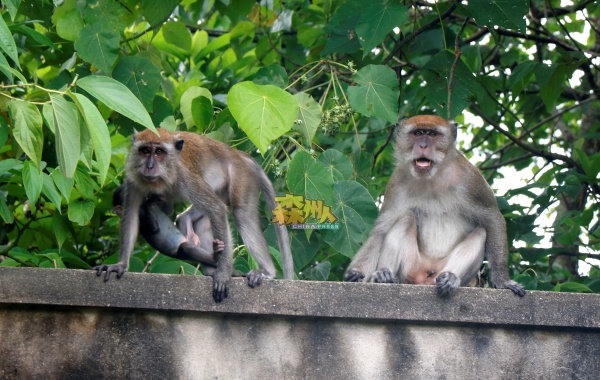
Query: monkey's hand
x=255, y=278
x=516, y=288
x=383, y=276
x=220, y=286
x=353, y=275
x=446, y=284
x=118, y=268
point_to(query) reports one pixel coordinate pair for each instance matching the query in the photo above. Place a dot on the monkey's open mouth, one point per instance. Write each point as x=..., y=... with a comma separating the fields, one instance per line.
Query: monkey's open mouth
x=423, y=162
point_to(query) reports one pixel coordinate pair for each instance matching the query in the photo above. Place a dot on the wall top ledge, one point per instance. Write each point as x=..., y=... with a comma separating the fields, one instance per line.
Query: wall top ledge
x=361, y=301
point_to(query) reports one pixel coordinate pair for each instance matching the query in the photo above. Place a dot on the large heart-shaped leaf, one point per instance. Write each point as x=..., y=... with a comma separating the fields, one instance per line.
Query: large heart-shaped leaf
x=377, y=92
x=337, y=164
x=141, y=76
x=357, y=212
x=379, y=20
x=509, y=14
x=308, y=177
x=97, y=46
x=263, y=112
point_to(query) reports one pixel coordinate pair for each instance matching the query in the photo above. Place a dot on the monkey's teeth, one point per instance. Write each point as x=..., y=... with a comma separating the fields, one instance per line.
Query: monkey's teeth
x=423, y=163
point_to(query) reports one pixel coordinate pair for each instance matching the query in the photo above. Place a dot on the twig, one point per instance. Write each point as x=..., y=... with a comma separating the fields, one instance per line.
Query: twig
x=150, y=261
x=457, y=54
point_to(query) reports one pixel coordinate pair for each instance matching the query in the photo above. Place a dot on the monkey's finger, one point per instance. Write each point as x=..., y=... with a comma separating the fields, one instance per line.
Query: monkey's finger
x=516, y=288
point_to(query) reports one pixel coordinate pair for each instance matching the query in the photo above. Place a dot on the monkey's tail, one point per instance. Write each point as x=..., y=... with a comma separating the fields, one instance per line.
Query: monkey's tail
x=283, y=238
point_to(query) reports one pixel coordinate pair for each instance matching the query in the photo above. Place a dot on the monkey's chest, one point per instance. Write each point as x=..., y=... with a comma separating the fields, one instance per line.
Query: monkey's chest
x=439, y=233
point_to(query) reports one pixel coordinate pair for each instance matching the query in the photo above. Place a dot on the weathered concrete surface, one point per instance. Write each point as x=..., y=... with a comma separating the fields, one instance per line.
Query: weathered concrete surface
x=69, y=324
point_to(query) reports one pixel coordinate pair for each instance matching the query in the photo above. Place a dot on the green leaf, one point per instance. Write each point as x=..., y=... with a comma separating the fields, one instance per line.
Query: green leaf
x=68, y=21
x=51, y=191
x=319, y=272
x=202, y=112
x=309, y=116
x=377, y=92
x=85, y=184
x=572, y=287
x=7, y=43
x=97, y=46
x=36, y=36
x=141, y=76
x=357, y=212
x=12, y=6
x=9, y=164
x=552, y=85
x=157, y=12
x=520, y=75
x=309, y=178
x=342, y=36
x=118, y=97
x=32, y=181
x=337, y=164
x=67, y=133
x=464, y=85
x=186, y=103
x=264, y=113
x=303, y=249
x=379, y=20
x=73, y=260
x=65, y=185
x=113, y=15
x=272, y=74
x=98, y=132
x=174, y=38
x=62, y=228
x=509, y=14
x=27, y=128
x=81, y=211
x=5, y=212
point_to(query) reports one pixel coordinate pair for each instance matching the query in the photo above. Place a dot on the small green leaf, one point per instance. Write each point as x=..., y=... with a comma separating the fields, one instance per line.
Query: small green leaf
x=62, y=228
x=12, y=6
x=98, y=131
x=319, y=272
x=337, y=164
x=32, y=181
x=36, y=36
x=264, y=113
x=309, y=178
x=51, y=191
x=202, y=112
x=5, y=212
x=186, y=103
x=376, y=93
x=85, y=184
x=27, y=128
x=68, y=21
x=141, y=76
x=65, y=185
x=272, y=74
x=97, y=46
x=574, y=287
x=309, y=116
x=174, y=38
x=7, y=43
x=67, y=133
x=357, y=212
x=81, y=211
x=118, y=97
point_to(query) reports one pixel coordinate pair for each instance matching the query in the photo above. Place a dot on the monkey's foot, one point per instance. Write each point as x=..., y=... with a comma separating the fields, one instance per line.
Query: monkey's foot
x=119, y=269
x=353, y=275
x=446, y=283
x=218, y=246
x=516, y=288
x=220, y=288
x=255, y=278
x=383, y=276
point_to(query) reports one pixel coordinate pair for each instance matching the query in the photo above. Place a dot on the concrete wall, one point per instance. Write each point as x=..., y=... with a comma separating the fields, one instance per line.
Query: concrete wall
x=69, y=324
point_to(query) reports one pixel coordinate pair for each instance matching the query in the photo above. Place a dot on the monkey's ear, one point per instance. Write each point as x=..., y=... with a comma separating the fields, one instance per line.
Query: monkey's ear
x=179, y=144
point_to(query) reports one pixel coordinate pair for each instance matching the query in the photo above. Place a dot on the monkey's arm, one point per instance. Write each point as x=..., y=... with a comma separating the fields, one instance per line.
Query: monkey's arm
x=129, y=231
x=496, y=251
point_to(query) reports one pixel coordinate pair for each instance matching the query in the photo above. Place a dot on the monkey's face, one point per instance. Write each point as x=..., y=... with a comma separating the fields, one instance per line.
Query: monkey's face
x=422, y=144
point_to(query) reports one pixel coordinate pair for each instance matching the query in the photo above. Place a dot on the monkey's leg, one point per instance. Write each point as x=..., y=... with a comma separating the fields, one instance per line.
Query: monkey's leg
x=463, y=263
x=186, y=222
x=204, y=250
x=366, y=259
x=248, y=223
x=399, y=251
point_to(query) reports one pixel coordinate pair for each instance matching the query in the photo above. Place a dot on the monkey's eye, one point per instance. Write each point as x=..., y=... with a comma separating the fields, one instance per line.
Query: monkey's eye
x=145, y=150
x=432, y=133
x=159, y=151
x=418, y=132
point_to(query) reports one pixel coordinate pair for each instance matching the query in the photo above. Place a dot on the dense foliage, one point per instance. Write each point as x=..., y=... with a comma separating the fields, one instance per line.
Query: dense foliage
x=312, y=90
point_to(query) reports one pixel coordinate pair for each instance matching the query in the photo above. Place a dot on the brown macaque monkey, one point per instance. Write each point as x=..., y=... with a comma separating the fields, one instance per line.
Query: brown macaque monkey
x=212, y=176
x=439, y=217
x=157, y=228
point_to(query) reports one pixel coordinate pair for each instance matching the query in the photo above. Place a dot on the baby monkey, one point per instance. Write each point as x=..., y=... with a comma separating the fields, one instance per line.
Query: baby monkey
x=183, y=241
